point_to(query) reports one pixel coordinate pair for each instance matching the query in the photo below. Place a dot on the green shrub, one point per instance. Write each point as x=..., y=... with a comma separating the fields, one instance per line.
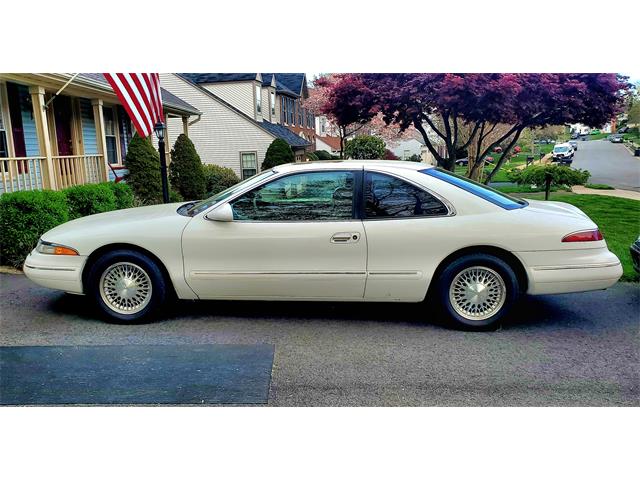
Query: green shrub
x=323, y=155
x=185, y=171
x=89, y=199
x=174, y=196
x=365, y=147
x=219, y=178
x=143, y=164
x=24, y=217
x=278, y=153
x=123, y=194
x=560, y=175
x=311, y=156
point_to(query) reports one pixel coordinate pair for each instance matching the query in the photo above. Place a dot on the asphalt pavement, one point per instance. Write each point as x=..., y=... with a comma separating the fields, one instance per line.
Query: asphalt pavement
x=609, y=163
x=565, y=350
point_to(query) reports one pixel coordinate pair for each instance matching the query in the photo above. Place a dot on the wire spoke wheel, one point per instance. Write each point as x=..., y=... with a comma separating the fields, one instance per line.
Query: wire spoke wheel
x=477, y=293
x=125, y=288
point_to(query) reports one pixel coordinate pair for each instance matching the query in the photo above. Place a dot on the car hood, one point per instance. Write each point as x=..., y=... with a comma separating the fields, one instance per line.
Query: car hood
x=119, y=226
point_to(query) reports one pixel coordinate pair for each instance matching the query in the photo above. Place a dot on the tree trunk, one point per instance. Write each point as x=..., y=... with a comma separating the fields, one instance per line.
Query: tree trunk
x=503, y=158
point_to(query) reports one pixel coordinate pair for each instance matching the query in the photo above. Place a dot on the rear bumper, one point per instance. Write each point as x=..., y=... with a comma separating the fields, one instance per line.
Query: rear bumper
x=596, y=269
x=61, y=272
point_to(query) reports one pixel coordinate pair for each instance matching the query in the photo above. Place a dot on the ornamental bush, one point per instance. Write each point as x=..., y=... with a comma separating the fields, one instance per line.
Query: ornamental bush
x=323, y=155
x=219, y=178
x=24, y=217
x=365, y=147
x=278, y=153
x=123, y=194
x=560, y=175
x=186, y=174
x=89, y=199
x=143, y=176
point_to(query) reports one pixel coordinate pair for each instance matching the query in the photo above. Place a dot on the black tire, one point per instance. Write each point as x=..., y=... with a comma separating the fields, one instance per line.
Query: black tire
x=159, y=291
x=484, y=261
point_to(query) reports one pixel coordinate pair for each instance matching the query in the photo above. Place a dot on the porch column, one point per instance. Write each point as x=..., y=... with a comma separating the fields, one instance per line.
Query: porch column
x=185, y=125
x=167, y=141
x=42, y=130
x=101, y=139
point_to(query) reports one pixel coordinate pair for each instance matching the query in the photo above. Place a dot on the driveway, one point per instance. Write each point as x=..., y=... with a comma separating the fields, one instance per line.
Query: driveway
x=609, y=163
x=578, y=349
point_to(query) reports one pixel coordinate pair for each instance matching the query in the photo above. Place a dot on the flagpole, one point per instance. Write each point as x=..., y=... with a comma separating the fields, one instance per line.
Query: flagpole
x=159, y=129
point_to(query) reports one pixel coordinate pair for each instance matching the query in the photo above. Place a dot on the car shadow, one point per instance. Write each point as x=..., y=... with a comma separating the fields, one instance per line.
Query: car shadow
x=530, y=312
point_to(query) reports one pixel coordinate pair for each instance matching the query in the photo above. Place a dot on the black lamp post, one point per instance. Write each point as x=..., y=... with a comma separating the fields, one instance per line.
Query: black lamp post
x=159, y=130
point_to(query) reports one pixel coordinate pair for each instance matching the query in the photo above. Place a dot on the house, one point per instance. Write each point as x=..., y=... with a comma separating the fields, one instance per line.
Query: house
x=79, y=136
x=328, y=144
x=406, y=148
x=272, y=97
x=241, y=116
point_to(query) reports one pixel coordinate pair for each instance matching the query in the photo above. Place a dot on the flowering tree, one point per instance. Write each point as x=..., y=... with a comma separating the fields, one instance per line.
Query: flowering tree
x=483, y=104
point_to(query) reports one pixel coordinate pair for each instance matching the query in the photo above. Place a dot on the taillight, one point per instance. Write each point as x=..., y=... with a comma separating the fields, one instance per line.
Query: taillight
x=584, y=236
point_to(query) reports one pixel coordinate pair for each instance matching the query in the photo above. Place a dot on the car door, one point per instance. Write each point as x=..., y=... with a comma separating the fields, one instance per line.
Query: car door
x=296, y=236
x=403, y=223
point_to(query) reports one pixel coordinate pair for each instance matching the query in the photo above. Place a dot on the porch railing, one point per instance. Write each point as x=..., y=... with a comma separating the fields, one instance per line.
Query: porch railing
x=21, y=173
x=29, y=173
x=73, y=170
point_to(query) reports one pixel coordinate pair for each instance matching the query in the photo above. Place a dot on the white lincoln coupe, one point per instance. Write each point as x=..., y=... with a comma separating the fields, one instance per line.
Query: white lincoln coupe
x=360, y=231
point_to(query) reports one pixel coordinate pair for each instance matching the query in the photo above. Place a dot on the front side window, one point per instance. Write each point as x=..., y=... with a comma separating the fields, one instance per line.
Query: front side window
x=313, y=196
x=390, y=197
x=248, y=164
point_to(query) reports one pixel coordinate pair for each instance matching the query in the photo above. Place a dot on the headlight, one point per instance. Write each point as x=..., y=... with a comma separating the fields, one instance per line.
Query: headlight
x=54, y=249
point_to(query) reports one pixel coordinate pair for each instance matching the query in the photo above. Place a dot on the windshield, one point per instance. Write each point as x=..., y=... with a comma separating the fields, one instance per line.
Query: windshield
x=211, y=201
x=487, y=193
x=561, y=149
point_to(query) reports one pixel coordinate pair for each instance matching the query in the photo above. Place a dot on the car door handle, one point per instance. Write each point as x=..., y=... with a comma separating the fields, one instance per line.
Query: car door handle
x=345, y=237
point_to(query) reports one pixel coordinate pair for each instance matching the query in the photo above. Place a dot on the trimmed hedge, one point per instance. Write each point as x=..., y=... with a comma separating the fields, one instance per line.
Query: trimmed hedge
x=89, y=199
x=25, y=216
x=278, y=153
x=186, y=174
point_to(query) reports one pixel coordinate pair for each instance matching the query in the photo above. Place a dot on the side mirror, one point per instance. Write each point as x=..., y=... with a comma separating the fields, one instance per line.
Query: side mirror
x=223, y=213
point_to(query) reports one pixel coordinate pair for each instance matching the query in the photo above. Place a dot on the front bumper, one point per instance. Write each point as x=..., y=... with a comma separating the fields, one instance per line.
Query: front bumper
x=571, y=271
x=60, y=272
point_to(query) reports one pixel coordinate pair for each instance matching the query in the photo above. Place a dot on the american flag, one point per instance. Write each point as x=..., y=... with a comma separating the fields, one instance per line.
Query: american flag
x=141, y=98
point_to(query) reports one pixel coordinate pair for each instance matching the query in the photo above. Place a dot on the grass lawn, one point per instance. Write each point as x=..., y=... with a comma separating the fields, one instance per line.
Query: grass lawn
x=617, y=218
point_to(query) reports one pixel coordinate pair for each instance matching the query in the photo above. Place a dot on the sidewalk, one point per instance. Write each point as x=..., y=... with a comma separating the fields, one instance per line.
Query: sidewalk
x=580, y=190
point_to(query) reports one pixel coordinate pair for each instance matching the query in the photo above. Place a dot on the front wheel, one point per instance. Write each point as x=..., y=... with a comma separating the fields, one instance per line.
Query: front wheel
x=477, y=291
x=127, y=286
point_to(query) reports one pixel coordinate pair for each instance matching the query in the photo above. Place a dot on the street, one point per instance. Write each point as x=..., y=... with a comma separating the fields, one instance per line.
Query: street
x=609, y=163
x=566, y=350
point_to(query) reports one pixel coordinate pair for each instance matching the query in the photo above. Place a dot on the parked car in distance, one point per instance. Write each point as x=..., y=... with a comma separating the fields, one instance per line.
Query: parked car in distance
x=462, y=162
x=362, y=231
x=574, y=135
x=635, y=254
x=624, y=129
x=616, y=138
x=563, y=153
x=574, y=144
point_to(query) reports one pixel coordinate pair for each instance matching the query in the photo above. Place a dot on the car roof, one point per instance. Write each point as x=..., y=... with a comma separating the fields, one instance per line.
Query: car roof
x=355, y=164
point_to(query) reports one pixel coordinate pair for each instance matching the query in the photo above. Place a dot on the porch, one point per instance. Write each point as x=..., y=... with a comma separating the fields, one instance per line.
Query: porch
x=77, y=137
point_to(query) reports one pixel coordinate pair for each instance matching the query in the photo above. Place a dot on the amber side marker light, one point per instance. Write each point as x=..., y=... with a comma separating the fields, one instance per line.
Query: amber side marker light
x=53, y=249
x=584, y=236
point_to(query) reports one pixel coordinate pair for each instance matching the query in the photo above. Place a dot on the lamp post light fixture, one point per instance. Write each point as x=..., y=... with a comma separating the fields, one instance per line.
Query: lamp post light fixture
x=159, y=130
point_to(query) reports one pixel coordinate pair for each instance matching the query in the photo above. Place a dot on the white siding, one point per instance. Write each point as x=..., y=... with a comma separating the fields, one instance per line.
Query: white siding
x=221, y=133
x=238, y=94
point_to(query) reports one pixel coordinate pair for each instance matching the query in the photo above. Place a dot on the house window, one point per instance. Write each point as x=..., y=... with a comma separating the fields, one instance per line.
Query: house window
x=248, y=164
x=300, y=114
x=110, y=135
x=125, y=131
x=292, y=115
x=272, y=99
x=258, y=99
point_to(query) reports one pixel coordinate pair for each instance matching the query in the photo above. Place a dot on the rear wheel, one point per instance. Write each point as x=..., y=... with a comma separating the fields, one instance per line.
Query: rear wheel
x=477, y=291
x=127, y=286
